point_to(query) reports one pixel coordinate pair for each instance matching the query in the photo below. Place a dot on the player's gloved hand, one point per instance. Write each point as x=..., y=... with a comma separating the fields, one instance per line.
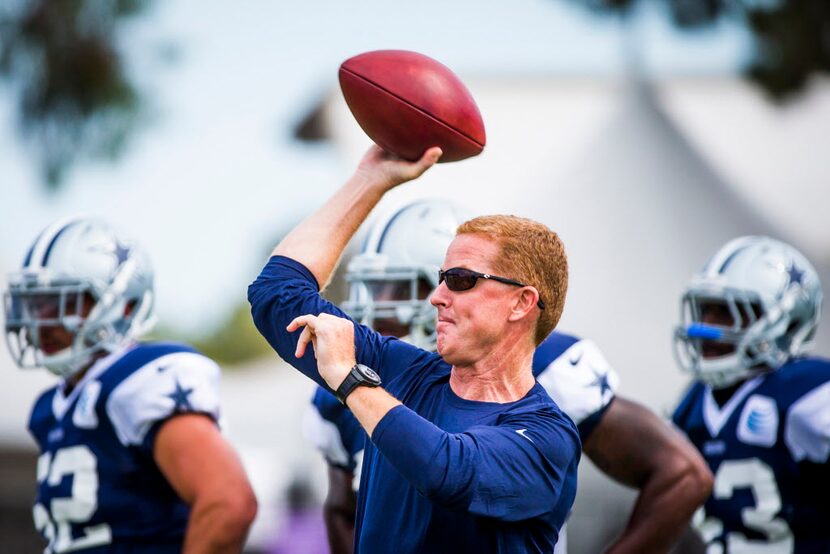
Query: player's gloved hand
x=332, y=339
x=387, y=171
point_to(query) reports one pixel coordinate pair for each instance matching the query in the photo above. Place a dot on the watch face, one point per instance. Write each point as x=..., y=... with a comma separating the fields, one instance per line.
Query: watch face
x=368, y=373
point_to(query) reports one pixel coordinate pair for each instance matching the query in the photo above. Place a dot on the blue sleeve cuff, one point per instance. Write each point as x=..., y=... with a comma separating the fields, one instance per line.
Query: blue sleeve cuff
x=148, y=445
x=282, y=266
x=587, y=425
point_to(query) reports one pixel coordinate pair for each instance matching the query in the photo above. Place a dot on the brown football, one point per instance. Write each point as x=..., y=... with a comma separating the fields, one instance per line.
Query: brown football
x=407, y=102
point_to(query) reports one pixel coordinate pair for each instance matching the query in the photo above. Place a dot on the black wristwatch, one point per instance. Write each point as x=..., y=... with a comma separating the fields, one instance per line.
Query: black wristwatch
x=360, y=375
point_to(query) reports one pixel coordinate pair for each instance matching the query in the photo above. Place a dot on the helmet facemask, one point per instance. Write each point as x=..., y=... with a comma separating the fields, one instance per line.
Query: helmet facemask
x=726, y=350
x=43, y=323
x=393, y=301
x=391, y=280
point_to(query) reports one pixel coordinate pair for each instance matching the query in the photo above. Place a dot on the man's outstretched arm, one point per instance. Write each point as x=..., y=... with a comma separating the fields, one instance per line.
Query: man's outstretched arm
x=636, y=448
x=319, y=240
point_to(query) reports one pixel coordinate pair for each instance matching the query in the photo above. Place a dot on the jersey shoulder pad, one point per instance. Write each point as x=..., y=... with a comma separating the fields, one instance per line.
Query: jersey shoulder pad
x=807, y=427
x=176, y=380
x=580, y=380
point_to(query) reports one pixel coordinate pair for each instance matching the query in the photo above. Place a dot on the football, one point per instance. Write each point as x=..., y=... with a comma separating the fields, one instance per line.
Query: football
x=407, y=102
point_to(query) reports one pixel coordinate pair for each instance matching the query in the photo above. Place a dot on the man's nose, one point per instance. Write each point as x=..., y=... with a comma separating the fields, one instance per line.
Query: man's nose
x=440, y=296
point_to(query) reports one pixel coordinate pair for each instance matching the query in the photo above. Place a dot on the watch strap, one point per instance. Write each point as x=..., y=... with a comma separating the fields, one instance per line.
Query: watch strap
x=354, y=379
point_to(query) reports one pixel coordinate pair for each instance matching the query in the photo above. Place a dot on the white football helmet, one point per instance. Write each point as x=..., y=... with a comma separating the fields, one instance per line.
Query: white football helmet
x=770, y=297
x=391, y=279
x=83, y=284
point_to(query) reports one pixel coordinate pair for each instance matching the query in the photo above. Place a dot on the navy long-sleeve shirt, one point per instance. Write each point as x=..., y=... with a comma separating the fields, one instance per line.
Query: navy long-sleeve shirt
x=441, y=473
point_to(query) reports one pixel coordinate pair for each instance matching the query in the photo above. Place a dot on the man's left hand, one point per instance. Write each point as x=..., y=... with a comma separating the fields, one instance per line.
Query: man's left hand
x=332, y=339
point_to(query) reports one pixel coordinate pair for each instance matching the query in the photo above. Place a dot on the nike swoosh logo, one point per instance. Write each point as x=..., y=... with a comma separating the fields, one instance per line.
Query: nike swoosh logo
x=522, y=433
x=575, y=361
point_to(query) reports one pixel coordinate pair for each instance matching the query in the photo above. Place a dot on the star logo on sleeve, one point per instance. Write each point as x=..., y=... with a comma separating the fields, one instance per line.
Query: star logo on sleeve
x=601, y=381
x=181, y=397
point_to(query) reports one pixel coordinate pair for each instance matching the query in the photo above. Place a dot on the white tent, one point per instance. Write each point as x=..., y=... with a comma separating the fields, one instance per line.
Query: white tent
x=606, y=164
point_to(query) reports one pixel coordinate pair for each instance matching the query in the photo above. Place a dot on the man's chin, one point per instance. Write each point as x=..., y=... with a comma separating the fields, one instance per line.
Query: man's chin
x=441, y=345
x=449, y=354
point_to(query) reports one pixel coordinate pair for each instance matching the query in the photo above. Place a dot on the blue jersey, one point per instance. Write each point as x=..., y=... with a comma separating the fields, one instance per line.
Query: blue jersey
x=441, y=473
x=573, y=371
x=768, y=449
x=99, y=489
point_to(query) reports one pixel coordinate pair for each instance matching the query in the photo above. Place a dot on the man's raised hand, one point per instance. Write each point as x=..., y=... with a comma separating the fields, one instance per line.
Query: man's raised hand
x=332, y=339
x=388, y=170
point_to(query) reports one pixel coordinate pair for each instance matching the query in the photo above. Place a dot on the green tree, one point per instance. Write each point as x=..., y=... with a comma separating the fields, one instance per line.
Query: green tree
x=791, y=38
x=67, y=69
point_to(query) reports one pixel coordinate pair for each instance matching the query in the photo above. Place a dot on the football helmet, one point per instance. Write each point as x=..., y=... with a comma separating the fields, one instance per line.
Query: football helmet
x=82, y=291
x=397, y=269
x=769, y=297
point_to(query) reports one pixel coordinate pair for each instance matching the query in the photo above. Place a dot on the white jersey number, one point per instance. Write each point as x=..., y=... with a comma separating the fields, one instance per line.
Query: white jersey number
x=56, y=523
x=759, y=478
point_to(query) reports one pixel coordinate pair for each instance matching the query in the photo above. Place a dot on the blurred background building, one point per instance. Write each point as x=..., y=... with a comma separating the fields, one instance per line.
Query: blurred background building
x=644, y=145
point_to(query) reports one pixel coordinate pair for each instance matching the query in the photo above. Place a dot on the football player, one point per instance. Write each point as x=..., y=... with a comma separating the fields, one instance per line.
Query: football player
x=759, y=410
x=390, y=282
x=131, y=457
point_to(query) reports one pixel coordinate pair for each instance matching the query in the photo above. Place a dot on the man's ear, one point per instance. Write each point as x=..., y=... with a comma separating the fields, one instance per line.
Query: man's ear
x=525, y=301
x=128, y=309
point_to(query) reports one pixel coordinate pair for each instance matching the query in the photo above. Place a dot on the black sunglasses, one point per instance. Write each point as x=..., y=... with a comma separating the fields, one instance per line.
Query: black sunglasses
x=459, y=279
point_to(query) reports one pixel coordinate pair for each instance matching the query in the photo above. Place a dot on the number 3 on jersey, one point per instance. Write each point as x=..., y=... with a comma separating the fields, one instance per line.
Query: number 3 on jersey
x=759, y=478
x=55, y=523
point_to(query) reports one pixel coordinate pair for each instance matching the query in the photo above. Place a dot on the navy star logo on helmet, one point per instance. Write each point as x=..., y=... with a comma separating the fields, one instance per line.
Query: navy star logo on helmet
x=795, y=274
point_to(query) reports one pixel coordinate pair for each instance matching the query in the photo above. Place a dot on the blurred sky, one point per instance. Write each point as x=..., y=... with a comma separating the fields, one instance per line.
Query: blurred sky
x=214, y=175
